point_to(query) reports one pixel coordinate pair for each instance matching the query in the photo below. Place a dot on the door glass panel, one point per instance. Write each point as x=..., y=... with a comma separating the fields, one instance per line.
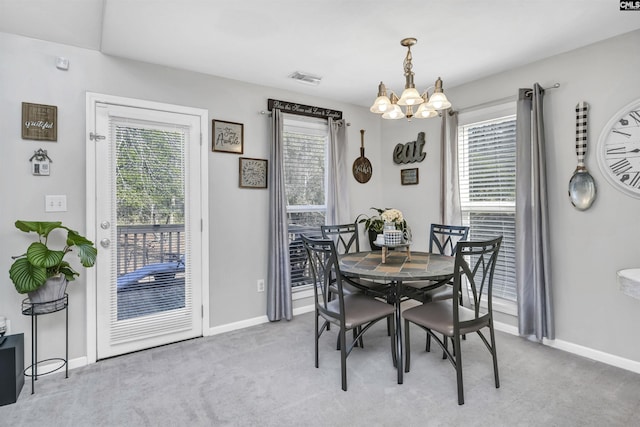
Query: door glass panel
x=150, y=212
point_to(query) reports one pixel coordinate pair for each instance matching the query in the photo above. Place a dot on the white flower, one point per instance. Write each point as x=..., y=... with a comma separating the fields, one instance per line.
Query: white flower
x=392, y=215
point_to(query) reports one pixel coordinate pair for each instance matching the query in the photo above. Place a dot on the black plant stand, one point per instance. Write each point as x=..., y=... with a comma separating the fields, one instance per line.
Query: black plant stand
x=39, y=309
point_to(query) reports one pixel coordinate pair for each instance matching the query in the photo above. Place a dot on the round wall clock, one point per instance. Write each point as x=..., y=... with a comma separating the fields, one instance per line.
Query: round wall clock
x=618, y=150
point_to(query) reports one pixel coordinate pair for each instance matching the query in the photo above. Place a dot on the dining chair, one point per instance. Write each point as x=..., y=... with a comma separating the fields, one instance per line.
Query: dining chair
x=475, y=263
x=355, y=311
x=346, y=239
x=443, y=239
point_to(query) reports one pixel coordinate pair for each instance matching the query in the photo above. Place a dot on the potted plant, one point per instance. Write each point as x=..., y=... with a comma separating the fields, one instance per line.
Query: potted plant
x=42, y=272
x=374, y=224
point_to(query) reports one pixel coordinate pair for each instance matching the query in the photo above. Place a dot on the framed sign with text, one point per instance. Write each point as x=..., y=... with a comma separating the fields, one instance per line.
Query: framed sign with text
x=39, y=122
x=228, y=137
x=409, y=176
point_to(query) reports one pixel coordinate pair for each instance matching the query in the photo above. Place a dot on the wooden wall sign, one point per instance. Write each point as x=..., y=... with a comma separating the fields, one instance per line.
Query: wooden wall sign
x=303, y=110
x=410, y=152
x=39, y=122
x=409, y=176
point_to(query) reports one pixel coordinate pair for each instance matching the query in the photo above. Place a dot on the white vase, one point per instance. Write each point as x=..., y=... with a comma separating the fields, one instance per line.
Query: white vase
x=49, y=297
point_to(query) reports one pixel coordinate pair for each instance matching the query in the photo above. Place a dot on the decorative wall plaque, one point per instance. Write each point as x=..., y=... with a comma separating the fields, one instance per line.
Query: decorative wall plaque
x=228, y=137
x=409, y=176
x=39, y=122
x=303, y=110
x=253, y=173
x=410, y=152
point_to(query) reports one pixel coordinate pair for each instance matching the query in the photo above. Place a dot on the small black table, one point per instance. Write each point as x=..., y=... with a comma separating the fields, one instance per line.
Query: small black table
x=397, y=268
x=11, y=368
x=40, y=309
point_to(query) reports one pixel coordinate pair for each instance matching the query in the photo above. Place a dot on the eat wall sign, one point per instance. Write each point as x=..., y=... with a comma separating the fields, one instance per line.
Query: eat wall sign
x=410, y=152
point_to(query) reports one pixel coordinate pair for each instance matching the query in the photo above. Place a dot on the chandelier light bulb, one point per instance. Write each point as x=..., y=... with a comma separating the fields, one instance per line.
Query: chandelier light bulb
x=439, y=102
x=410, y=96
x=394, y=113
x=380, y=105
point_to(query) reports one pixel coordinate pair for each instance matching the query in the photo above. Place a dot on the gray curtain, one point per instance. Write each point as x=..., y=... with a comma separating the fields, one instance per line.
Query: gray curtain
x=535, y=309
x=338, y=209
x=449, y=189
x=279, y=303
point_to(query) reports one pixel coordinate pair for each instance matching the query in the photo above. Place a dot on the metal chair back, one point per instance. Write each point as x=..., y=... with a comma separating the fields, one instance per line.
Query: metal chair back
x=344, y=236
x=445, y=238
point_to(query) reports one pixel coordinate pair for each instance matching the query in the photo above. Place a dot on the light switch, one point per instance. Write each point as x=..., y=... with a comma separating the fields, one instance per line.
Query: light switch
x=55, y=203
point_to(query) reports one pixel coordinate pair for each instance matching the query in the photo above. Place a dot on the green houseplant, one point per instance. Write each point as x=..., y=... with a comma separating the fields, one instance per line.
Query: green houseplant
x=374, y=223
x=41, y=268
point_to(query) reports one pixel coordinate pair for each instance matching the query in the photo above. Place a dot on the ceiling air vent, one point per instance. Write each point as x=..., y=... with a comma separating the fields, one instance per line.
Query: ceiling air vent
x=305, y=78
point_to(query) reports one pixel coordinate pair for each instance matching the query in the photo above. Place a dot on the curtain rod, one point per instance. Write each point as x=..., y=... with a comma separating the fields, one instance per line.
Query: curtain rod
x=498, y=101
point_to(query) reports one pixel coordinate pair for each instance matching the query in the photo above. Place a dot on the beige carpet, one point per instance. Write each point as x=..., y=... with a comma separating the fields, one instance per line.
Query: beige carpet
x=264, y=376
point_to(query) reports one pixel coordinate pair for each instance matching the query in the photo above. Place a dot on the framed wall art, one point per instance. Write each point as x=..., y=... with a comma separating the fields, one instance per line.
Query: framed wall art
x=409, y=176
x=39, y=122
x=228, y=137
x=253, y=173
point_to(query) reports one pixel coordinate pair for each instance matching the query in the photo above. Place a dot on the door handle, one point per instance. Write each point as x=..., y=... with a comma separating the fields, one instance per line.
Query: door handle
x=105, y=243
x=105, y=225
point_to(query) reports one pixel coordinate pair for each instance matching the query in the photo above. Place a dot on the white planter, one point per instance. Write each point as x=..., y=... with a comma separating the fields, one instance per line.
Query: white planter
x=49, y=297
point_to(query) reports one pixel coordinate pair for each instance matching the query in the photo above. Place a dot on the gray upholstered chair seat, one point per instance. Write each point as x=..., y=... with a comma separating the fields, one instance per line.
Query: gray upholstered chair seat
x=358, y=310
x=443, y=292
x=438, y=316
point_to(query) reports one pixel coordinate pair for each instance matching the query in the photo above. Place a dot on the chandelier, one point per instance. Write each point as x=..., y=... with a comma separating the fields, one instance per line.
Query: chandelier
x=428, y=106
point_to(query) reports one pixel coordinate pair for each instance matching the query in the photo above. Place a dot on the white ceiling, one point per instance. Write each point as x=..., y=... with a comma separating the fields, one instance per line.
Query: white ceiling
x=351, y=44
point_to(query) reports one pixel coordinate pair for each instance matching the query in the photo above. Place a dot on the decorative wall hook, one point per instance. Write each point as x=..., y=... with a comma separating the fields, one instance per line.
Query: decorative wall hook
x=40, y=162
x=40, y=155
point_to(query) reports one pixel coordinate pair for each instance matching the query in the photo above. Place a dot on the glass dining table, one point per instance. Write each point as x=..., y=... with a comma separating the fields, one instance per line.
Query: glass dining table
x=396, y=269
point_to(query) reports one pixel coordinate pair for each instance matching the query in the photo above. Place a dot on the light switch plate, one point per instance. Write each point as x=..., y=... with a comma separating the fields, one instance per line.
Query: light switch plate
x=55, y=203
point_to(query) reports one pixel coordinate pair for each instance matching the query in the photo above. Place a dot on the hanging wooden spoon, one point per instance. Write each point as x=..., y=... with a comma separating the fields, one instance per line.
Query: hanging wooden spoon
x=582, y=187
x=362, y=166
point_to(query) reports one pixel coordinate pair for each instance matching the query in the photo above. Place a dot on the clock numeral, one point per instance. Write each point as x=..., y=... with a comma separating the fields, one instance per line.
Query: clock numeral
x=628, y=135
x=635, y=115
x=617, y=150
x=621, y=166
x=633, y=181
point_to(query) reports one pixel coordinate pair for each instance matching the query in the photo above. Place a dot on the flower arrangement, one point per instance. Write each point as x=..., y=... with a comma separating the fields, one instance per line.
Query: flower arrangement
x=375, y=223
x=393, y=216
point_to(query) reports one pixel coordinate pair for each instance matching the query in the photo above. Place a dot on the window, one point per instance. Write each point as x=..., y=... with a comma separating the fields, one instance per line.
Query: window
x=487, y=171
x=305, y=166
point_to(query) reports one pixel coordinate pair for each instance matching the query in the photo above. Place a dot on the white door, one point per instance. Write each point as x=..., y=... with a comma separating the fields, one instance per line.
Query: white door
x=148, y=217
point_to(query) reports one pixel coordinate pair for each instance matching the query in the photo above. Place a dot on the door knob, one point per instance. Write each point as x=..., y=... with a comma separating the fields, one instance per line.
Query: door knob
x=105, y=225
x=105, y=243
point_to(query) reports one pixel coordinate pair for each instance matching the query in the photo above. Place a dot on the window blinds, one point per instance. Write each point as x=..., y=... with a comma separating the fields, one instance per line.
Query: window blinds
x=487, y=170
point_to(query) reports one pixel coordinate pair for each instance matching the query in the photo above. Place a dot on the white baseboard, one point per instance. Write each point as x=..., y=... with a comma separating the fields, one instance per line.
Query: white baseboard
x=236, y=325
x=579, y=350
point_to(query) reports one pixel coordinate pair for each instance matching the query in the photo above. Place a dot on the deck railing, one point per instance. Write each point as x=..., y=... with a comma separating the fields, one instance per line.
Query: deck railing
x=300, y=274
x=140, y=245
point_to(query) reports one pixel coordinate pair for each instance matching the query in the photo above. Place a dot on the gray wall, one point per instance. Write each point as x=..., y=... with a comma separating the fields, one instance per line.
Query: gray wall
x=587, y=247
x=238, y=217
